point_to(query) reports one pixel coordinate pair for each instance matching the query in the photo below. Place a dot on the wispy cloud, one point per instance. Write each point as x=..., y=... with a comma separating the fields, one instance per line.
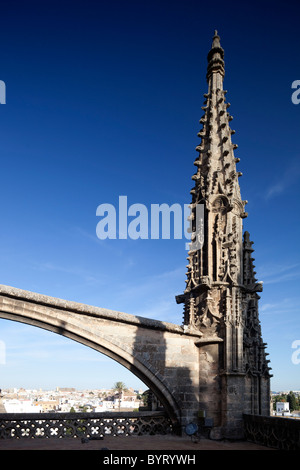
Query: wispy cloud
x=161, y=282
x=24, y=344
x=283, y=307
x=164, y=309
x=279, y=318
x=85, y=275
x=272, y=274
x=288, y=178
x=152, y=296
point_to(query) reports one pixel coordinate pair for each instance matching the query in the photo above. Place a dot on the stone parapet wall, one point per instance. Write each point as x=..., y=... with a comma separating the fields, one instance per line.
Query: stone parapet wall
x=279, y=433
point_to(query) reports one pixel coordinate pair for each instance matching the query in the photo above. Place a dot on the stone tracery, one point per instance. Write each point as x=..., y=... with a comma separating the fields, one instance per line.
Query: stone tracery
x=220, y=298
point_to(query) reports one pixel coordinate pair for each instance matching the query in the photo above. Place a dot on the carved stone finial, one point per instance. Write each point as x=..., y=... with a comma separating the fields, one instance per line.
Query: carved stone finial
x=215, y=58
x=216, y=40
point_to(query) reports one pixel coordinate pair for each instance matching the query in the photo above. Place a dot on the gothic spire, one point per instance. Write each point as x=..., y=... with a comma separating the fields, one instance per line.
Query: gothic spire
x=217, y=188
x=215, y=59
x=221, y=295
x=216, y=163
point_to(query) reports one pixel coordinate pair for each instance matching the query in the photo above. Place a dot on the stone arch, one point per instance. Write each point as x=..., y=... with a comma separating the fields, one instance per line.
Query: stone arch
x=82, y=330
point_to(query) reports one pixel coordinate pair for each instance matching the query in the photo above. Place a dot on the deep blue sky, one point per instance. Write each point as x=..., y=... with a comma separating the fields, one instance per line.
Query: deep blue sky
x=104, y=99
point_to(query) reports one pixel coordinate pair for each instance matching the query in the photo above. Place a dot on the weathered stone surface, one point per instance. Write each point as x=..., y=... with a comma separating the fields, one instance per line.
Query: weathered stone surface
x=221, y=297
x=161, y=354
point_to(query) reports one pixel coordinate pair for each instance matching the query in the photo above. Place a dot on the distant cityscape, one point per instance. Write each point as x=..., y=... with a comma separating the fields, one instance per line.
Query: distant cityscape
x=286, y=403
x=117, y=398
x=66, y=400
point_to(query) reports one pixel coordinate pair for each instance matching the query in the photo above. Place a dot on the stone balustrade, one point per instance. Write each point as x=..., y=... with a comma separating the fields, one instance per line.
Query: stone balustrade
x=82, y=425
x=276, y=432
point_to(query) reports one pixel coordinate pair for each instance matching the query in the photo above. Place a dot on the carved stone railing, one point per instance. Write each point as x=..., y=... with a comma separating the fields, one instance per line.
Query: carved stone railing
x=82, y=425
x=276, y=432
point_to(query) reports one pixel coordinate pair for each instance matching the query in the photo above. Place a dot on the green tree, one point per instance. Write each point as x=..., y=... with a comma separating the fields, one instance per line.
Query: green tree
x=83, y=408
x=145, y=397
x=292, y=401
x=119, y=387
x=281, y=397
